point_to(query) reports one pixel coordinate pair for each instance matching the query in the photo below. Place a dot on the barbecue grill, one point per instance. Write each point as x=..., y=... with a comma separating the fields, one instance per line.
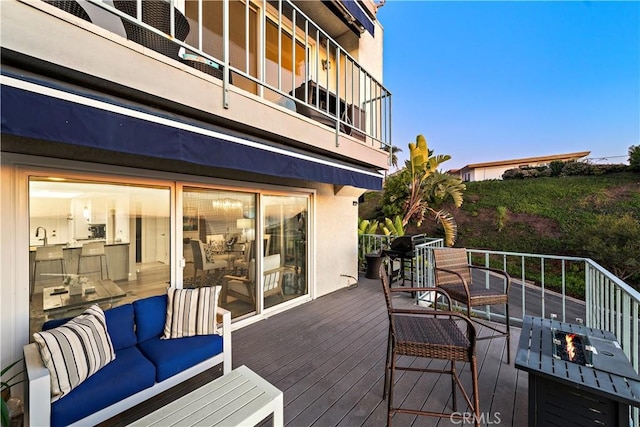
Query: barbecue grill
x=403, y=248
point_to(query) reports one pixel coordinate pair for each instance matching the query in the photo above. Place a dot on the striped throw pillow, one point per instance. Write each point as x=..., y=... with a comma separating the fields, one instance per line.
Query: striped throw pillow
x=74, y=351
x=191, y=312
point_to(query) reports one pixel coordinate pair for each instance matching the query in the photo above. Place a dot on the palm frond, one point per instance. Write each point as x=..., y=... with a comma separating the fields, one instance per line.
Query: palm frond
x=449, y=225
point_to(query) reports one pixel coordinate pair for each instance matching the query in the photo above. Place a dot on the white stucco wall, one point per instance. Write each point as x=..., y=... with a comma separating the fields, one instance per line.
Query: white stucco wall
x=370, y=52
x=336, y=240
x=14, y=282
x=482, y=174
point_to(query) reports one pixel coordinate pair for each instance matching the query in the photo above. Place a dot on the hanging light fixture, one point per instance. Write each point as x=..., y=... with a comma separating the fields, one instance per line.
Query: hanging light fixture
x=226, y=205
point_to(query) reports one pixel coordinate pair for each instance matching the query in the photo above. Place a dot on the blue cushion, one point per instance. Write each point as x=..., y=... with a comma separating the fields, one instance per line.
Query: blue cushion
x=177, y=354
x=150, y=315
x=119, y=326
x=128, y=374
x=54, y=323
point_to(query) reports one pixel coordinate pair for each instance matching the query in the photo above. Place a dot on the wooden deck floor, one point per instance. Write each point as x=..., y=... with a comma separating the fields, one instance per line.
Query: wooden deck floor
x=328, y=356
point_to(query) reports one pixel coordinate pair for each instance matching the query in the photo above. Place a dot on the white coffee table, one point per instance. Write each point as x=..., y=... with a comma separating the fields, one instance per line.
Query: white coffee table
x=239, y=398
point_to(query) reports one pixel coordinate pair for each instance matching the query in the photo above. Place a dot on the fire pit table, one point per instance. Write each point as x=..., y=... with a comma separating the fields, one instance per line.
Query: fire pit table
x=578, y=376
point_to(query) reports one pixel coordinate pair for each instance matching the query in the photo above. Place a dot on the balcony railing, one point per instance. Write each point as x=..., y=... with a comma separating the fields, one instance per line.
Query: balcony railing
x=269, y=48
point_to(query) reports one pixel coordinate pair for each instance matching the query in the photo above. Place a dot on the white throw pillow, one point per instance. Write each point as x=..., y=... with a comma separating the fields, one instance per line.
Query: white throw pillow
x=76, y=350
x=191, y=312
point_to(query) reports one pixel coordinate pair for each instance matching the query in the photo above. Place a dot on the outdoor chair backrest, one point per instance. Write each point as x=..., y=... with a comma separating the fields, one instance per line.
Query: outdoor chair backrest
x=454, y=259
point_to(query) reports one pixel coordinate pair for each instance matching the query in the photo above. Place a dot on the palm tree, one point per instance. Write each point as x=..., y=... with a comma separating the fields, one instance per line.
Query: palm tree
x=428, y=186
x=393, y=150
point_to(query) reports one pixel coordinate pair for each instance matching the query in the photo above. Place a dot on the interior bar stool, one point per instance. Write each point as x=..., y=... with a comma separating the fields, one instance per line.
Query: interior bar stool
x=47, y=254
x=93, y=249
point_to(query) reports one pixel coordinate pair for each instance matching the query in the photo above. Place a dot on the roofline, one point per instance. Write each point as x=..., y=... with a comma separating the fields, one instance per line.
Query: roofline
x=578, y=154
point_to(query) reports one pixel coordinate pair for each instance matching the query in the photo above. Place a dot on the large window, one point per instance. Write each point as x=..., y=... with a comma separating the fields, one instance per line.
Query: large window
x=110, y=243
x=95, y=242
x=290, y=63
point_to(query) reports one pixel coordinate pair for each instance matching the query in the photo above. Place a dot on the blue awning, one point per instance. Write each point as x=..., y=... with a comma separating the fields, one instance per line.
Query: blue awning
x=359, y=14
x=36, y=111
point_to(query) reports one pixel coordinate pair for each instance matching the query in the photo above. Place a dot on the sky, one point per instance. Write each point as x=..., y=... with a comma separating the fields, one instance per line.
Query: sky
x=485, y=81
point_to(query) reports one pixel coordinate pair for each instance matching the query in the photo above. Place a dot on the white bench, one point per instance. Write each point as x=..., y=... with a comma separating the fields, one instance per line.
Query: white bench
x=239, y=398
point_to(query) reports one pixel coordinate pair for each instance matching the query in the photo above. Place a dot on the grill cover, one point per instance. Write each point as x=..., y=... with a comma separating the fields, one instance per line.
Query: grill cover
x=402, y=244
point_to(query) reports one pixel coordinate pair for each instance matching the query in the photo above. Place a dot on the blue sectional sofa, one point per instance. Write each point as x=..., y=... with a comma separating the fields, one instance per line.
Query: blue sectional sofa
x=145, y=365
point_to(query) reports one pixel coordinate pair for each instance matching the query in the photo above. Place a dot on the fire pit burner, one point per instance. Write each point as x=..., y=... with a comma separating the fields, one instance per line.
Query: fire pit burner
x=596, y=388
x=572, y=347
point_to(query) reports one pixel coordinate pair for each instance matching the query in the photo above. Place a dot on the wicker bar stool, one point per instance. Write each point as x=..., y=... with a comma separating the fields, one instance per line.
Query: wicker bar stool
x=453, y=274
x=433, y=334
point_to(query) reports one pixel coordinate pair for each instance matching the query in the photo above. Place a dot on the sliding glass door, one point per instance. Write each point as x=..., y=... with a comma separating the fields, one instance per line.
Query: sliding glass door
x=220, y=238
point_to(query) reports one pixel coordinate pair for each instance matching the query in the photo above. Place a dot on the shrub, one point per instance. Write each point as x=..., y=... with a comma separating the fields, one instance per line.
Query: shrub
x=513, y=174
x=576, y=168
x=555, y=167
x=501, y=217
x=607, y=169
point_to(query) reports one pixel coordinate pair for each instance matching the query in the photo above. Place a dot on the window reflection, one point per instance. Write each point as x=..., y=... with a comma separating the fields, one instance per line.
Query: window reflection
x=114, y=238
x=285, y=231
x=218, y=231
x=221, y=249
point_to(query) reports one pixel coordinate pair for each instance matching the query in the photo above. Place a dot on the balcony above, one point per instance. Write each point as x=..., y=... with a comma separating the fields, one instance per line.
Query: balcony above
x=293, y=85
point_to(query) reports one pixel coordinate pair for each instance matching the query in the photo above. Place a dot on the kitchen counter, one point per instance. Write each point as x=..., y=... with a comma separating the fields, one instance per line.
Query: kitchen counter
x=117, y=258
x=78, y=244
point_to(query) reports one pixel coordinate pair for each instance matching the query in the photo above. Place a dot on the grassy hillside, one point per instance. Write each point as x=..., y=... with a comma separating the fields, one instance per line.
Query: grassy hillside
x=542, y=213
x=592, y=216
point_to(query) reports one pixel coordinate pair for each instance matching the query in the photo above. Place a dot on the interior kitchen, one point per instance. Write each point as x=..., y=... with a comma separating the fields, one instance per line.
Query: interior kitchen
x=113, y=235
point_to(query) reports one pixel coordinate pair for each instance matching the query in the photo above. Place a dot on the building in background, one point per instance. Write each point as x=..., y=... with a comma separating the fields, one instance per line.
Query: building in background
x=494, y=170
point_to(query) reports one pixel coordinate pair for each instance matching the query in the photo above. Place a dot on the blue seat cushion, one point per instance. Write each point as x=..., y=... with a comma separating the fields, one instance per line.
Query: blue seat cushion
x=119, y=326
x=128, y=374
x=150, y=315
x=177, y=354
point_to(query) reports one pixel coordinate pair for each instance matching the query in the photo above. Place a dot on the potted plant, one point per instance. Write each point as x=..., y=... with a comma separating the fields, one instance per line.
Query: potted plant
x=368, y=251
x=5, y=388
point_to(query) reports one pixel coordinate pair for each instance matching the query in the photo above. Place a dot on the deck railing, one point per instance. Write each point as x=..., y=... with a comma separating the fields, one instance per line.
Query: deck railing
x=571, y=289
x=278, y=53
x=542, y=286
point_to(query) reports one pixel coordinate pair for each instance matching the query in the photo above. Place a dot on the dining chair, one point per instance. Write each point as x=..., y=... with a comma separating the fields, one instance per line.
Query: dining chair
x=454, y=274
x=427, y=332
x=200, y=262
x=242, y=264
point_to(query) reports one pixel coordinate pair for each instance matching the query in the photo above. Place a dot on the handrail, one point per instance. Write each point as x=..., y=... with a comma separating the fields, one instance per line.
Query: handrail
x=363, y=110
x=608, y=303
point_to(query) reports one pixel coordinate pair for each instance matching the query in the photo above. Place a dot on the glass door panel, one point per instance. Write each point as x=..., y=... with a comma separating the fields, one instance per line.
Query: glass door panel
x=285, y=248
x=218, y=236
